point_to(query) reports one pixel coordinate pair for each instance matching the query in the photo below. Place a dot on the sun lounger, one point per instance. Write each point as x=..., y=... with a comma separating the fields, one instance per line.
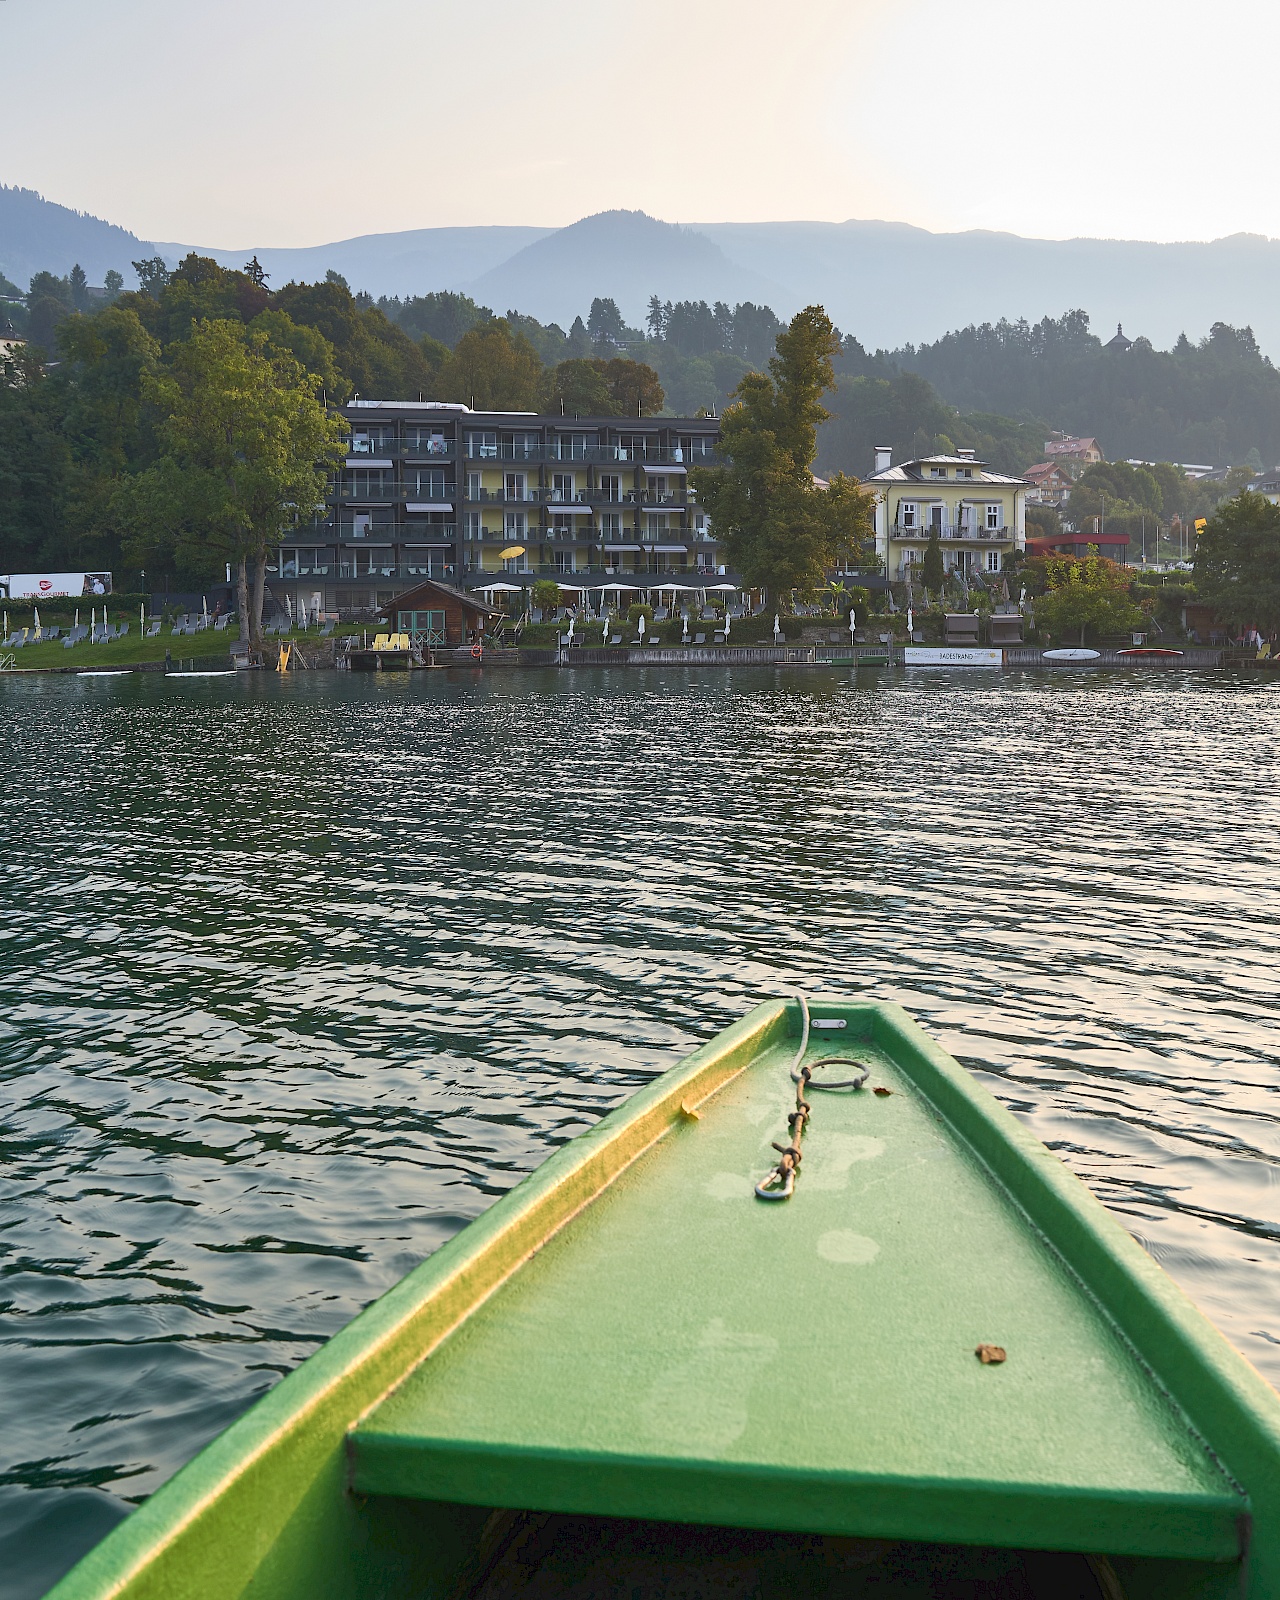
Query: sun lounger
x=1006, y=628
x=662, y=614
x=699, y=638
x=615, y=639
x=326, y=629
x=717, y=638
x=382, y=641
x=961, y=628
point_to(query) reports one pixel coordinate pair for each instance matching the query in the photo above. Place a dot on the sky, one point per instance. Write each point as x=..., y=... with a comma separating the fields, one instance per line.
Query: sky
x=292, y=122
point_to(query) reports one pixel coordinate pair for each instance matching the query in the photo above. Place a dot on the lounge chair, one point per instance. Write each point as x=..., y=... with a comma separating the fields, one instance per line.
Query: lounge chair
x=1006, y=628
x=961, y=628
x=326, y=629
x=717, y=638
x=699, y=638
x=121, y=629
x=615, y=639
x=220, y=623
x=382, y=641
x=662, y=614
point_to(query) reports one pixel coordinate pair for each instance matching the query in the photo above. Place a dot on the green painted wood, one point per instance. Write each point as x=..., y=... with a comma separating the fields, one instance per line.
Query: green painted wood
x=267, y=1511
x=684, y=1351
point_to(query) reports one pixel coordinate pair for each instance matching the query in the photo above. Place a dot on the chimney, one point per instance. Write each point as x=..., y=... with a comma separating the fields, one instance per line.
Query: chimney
x=884, y=455
x=966, y=455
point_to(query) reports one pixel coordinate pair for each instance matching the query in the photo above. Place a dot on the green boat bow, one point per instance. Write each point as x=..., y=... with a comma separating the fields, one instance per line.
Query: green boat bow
x=632, y=1333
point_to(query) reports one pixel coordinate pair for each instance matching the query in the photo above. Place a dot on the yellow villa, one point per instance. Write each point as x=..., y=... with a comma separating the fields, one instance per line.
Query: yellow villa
x=978, y=515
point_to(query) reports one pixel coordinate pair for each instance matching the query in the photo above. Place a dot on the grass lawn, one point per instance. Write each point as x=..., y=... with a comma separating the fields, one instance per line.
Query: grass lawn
x=133, y=649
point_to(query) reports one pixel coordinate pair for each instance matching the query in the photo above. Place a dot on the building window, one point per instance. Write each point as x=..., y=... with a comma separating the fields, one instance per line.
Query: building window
x=471, y=525
x=964, y=472
x=429, y=485
x=515, y=524
x=937, y=472
x=995, y=517
x=481, y=445
x=993, y=561
x=562, y=487
x=935, y=519
x=907, y=514
x=610, y=525
x=515, y=486
x=611, y=486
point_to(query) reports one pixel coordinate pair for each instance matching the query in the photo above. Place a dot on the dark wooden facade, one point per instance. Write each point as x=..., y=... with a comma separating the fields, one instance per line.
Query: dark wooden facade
x=435, y=613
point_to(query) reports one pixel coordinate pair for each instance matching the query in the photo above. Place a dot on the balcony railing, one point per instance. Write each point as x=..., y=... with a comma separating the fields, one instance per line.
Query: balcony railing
x=394, y=449
x=393, y=489
x=949, y=530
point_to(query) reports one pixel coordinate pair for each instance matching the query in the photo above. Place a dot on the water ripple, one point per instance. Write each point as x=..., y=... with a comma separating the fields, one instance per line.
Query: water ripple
x=300, y=976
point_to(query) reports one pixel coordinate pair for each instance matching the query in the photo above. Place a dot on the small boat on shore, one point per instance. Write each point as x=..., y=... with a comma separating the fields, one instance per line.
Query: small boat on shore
x=1071, y=655
x=809, y=1314
x=1149, y=651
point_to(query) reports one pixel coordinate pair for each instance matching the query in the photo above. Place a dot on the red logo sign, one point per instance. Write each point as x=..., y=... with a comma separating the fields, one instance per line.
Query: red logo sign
x=46, y=583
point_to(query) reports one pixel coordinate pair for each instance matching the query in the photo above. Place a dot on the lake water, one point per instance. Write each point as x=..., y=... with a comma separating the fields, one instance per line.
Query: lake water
x=300, y=975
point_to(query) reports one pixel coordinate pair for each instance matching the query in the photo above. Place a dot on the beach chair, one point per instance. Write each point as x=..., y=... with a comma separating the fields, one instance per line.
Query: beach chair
x=399, y=641
x=699, y=638
x=121, y=629
x=382, y=641
x=717, y=638
x=615, y=639
x=1005, y=628
x=961, y=628
x=100, y=635
x=326, y=629
x=662, y=614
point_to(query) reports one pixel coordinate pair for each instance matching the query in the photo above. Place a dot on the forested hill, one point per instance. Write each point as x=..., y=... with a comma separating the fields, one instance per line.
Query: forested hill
x=1216, y=400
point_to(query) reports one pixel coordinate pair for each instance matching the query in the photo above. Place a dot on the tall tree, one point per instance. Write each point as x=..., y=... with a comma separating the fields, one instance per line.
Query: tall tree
x=605, y=324
x=493, y=369
x=249, y=450
x=782, y=531
x=1237, y=562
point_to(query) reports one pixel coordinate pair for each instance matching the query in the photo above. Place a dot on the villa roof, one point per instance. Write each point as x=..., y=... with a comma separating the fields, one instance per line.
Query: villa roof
x=431, y=588
x=1043, y=469
x=909, y=472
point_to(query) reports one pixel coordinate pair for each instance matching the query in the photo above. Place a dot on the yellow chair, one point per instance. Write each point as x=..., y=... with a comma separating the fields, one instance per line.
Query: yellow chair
x=399, y=641
x=381, y=642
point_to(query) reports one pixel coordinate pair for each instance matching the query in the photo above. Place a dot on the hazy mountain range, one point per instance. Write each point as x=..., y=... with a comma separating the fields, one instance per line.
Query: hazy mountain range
x=888, y=283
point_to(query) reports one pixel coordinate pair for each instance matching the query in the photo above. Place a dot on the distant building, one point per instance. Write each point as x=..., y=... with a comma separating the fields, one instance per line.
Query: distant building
x=1268, y=486
x=1119, y=342
x=11, y=341
x=1082, y=542
x=1072, y=453
x=977, y=515
x=473, y=498
x=1048, y=484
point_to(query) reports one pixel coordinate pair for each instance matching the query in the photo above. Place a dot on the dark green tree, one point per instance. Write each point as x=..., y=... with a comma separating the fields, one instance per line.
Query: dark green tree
x=782, y=531
x=605, y=324
x=1237, y=562
x=153, y=274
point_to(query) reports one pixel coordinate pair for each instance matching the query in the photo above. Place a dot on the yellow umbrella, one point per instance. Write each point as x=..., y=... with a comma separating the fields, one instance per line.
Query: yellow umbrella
x=511, y=552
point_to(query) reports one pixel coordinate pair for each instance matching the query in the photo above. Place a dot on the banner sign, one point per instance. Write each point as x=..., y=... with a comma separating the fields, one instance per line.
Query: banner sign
x=950, y=655
x=53, y=585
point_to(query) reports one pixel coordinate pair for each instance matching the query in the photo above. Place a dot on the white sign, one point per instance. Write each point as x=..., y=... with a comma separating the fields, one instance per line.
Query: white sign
x=951, y=656
x=53, y=585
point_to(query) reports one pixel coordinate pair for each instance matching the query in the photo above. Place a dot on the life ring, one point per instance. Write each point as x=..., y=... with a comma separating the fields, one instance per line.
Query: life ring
x=477, y=651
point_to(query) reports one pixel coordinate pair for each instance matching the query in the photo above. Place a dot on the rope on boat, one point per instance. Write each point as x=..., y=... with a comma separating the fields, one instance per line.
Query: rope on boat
x=780, y=1183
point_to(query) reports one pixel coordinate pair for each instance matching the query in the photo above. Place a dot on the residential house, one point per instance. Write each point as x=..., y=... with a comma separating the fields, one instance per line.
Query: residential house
x=1072, y=453
x=1048, y=483
x=436, y=490
x=977, y=514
